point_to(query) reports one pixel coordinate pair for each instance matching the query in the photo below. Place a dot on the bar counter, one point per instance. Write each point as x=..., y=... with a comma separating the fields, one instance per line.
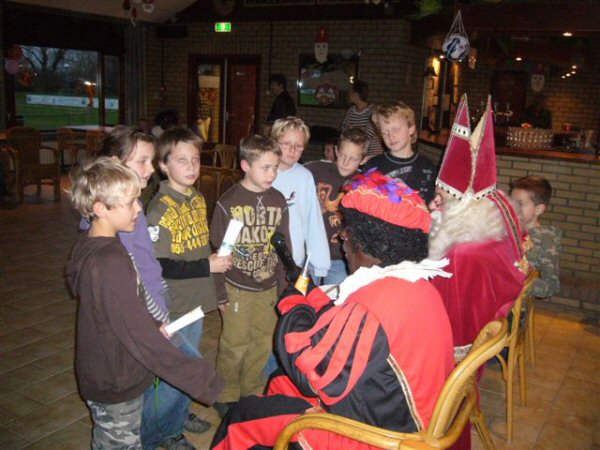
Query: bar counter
x=556, y=153
x=574, y=208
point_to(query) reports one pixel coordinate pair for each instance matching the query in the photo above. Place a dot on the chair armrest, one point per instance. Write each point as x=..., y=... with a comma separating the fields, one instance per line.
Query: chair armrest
x=344, y=426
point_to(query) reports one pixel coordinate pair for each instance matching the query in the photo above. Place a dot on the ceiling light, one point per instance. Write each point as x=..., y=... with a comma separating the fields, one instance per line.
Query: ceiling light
x=563, y=77
x=573, y=72
x=567, y=74
x=518, y=58
x=567, y=34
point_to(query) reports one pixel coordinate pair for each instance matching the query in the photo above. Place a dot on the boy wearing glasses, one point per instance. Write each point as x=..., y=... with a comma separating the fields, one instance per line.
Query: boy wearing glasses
x=396, y=124
x=330, y=177
x=296, y=183
x=179, y=229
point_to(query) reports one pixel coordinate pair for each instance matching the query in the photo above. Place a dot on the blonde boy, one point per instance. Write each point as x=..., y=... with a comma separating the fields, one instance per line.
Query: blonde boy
x=329, y=178
x=296, y=183
x=397, y=127
x=113, y=323
x=248, y=292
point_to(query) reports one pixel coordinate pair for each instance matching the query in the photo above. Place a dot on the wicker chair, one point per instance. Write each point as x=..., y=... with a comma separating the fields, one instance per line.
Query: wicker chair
x=456, y=404
x=225, y=156
x=30, y=167
x=516, y=345
x=213, y=182
x=93, y=139
x=67, y=141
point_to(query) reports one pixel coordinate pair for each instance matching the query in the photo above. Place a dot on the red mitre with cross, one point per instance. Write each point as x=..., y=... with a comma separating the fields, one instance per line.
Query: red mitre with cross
x=469, y=165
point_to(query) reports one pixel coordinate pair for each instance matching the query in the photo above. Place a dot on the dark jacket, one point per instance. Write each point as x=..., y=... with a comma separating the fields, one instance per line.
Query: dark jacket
x=119, y=346
x=283, y=106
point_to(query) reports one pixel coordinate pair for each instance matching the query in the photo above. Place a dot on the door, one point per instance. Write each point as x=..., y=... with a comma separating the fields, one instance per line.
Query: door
x=223, y=97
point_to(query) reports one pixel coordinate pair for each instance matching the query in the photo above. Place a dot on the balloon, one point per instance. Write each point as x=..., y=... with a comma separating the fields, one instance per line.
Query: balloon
x=26, y=77
x=11, y=66
x=456, y=47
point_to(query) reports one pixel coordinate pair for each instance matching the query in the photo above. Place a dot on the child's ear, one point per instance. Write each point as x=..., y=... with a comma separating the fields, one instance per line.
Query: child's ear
x=163, y=168
x=99, y=209
x=244, y=165
x=540, y=209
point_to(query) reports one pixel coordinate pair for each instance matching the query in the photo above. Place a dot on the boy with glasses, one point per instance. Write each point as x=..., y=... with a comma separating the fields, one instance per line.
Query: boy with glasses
x=396, y=124
x=297, y=185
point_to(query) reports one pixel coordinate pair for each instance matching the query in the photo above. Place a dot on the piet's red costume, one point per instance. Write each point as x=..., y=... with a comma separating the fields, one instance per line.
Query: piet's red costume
x=380, y=355
x=487, y=276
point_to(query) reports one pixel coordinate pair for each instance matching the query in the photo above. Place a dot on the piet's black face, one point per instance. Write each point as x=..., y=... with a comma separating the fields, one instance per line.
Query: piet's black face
x=355, y=257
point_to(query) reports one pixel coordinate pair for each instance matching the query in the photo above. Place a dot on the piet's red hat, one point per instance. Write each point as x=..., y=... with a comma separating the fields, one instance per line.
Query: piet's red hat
x=387, y=199
x=469, y=165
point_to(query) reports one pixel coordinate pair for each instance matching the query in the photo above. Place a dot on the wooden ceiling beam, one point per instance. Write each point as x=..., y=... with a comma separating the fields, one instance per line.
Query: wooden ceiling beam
x=204, y=11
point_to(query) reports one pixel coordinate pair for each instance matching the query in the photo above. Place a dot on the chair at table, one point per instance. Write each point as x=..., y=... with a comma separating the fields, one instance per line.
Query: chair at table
x=33, y=163
x=530, y=330
x=225, y=156
x=516, y=353
x=93, y=139
x=456, y=404
x=67, y=141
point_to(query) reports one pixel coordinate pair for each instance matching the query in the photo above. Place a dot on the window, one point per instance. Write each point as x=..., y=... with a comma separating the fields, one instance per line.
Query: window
x=55, y=87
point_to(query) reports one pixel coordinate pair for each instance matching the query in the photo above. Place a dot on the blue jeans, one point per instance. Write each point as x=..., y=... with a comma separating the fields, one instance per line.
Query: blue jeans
x=166, y=407
x=337, y=272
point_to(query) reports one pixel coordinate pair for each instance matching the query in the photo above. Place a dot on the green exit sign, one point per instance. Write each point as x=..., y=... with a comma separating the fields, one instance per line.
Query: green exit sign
x=223, y=27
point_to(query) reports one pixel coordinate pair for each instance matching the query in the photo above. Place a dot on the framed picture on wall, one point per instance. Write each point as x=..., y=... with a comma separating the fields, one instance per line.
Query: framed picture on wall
x=326, y=85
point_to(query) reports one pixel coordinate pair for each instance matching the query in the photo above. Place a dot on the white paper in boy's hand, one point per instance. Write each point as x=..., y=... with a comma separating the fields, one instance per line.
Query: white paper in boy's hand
x=184, y=321
x=231, y=235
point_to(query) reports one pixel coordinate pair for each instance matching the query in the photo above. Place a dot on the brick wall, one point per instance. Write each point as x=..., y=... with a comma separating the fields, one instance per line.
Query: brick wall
x=393, y=71
x=575, y=209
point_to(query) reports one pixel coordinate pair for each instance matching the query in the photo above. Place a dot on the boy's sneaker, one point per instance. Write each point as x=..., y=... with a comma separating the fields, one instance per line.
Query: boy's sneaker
x=177, y=443
x=195, y=424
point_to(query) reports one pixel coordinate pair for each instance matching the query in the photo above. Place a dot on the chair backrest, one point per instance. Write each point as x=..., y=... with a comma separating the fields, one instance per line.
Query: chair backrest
x=226, y=156
x=452, y=410
x=459, y=394
x=93, y=138
x=65, y=137
x=515, y=331
x=27, y=141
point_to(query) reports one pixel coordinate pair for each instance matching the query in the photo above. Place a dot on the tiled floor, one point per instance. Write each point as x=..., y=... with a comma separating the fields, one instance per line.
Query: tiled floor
x=40, y=407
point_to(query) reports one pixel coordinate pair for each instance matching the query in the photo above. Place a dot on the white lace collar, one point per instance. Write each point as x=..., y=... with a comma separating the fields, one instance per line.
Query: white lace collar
x=406, y=270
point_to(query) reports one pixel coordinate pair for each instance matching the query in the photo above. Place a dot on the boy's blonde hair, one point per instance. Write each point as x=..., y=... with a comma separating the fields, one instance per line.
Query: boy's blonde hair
x=357, y=136
x=253, y=147
x=104, y=180
x=282, y=126
x=173, y=136
x=400, y=109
